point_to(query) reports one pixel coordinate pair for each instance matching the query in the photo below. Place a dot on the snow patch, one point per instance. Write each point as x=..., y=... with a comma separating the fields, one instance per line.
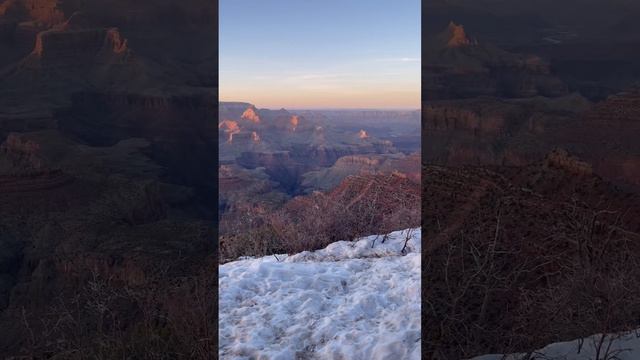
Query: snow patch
x=620, y=346
x=350, y=300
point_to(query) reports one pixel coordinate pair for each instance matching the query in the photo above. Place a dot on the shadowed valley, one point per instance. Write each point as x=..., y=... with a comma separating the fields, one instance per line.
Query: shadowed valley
x=272, y=161
x=107, y=178
x=531, y=173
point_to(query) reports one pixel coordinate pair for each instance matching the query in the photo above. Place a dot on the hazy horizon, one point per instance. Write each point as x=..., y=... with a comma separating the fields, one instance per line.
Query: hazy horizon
x=259, y=106
x=321, y=55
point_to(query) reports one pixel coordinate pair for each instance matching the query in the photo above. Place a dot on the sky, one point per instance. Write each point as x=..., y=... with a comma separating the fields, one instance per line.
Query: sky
x=298, y=54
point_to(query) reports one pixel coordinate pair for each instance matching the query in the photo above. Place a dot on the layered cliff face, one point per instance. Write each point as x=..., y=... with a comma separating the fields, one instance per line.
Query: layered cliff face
x=69, y=57
x=44, y=12
x=239, y=187
x=106, y=125
x=498, y=125
x=475, y=131
x=505, y=121
x=232, y=110
x=328, y=178
x=606, y=137
x=307, y=151
x=179, y=128
x=288, y=145
x=515, y=133
x=81, y=47
x=93, y=45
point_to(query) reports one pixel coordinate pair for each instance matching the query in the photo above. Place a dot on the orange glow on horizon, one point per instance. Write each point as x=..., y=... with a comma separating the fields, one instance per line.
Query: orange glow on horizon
x=390, y=99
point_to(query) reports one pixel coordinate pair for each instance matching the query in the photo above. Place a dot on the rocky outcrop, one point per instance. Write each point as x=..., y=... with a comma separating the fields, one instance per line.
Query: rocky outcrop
x=252, y=160
x=452, y=117
x=606, y=137
x=392, y=192
x=472, y=131
x=455, y=36
x=515, y=133
x=240, y=188
x=70, y=48
x=279, y=165
x=22, y=153
x=244, y=139
x=250, y=114
x=618, y=110
x=287, y=123
x=226, y=130
x=319, y=155
x=232, y=110
x=455, y=67
x=294, y=121
x=23, y=168
x=560, y=159
x=328, y=178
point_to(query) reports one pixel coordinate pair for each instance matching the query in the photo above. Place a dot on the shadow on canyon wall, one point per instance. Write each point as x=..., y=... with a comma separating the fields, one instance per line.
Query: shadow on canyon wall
x=107, y=178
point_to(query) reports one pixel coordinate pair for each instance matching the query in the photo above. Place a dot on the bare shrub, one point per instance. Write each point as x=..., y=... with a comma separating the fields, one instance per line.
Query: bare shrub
x=375, y=206
x=508, y=293
x=165, y=318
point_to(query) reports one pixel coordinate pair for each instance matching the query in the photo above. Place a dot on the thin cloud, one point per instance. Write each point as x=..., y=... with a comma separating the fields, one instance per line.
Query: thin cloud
x=400, y=59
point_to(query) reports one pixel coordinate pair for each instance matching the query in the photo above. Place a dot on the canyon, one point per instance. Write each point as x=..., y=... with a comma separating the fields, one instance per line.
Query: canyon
x=498, y=127
x=106, y=112
x=530, y=192
x=292, y=181
x=311, y=150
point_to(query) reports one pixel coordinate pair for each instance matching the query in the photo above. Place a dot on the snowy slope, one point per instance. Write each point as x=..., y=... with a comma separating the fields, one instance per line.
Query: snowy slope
x=623, y=346
x=347, y=301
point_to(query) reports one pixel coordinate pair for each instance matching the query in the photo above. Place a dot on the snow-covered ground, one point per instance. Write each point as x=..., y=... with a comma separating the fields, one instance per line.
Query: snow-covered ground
x=351, y=300
x=623, y=346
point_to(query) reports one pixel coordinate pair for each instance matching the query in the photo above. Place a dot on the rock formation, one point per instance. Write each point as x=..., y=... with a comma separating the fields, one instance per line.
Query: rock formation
x=106, y=126
x=560, y=159
x=288, y=145
x=328, y=178
x=251, y=115
x=456, y=35
x=456, y=67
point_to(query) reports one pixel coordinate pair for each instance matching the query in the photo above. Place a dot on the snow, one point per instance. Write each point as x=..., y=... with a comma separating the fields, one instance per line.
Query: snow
x=620, y=346
x=350, y=300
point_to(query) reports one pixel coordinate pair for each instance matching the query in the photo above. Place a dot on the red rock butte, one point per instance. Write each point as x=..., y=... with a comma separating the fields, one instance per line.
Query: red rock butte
x=457, y=36
x=295, y=120
x=251, y=115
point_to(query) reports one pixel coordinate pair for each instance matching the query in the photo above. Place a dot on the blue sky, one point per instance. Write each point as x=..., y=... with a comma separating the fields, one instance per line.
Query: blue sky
x=320, y=53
